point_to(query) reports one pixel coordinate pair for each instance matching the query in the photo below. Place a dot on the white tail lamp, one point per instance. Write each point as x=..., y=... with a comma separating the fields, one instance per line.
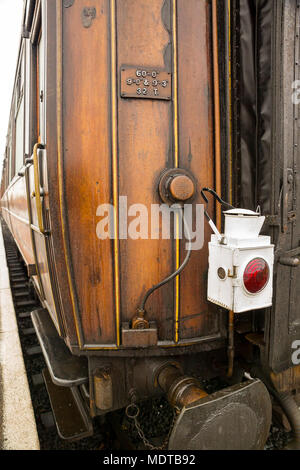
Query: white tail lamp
x=240, y=275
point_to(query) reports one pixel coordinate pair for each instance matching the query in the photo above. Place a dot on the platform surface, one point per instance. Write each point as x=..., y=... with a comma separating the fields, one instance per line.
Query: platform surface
x=17, y=424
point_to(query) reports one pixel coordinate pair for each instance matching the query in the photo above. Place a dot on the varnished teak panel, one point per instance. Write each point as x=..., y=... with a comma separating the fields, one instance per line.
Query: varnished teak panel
x=147, y=132
x=87, y=164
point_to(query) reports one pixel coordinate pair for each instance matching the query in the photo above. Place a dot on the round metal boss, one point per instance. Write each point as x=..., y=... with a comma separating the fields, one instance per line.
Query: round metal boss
x=222, y=274
x=177, y=186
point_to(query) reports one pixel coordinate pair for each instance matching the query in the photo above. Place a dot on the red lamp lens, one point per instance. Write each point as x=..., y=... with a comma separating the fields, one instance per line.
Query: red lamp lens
x=256, y=275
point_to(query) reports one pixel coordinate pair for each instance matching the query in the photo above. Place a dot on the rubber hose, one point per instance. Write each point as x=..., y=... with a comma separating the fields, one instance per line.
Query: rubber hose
x=292, y=412
x=288, y=405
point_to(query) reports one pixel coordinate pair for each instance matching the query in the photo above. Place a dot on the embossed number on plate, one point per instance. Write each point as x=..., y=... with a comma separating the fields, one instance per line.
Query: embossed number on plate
x=144, y=82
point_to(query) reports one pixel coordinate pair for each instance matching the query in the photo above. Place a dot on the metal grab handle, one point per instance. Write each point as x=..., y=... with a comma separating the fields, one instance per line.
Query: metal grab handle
x=289, y=258
x=37, y=188
x=28, y=163
x=291, y=262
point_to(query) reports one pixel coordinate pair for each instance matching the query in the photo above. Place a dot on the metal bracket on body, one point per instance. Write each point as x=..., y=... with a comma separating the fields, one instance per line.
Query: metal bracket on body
x=289, y=258
x=88, y=14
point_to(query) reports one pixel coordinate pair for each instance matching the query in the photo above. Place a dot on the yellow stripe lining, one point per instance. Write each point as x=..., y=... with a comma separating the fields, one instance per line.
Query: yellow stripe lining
x=115, y=164
x=176, y=161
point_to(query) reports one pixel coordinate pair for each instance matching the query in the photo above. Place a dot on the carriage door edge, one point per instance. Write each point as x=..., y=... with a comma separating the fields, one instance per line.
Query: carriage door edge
x=38, y=184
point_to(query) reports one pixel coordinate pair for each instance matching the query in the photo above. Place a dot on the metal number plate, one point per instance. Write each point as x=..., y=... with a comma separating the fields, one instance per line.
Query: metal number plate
x=144, y=82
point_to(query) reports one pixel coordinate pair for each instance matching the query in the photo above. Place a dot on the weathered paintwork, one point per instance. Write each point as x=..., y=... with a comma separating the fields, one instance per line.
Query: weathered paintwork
x=99, y=146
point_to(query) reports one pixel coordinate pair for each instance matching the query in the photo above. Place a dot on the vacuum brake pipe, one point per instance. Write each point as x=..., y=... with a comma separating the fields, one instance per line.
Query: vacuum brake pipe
x=292, y=412
x=288, y=405
x=142, y=307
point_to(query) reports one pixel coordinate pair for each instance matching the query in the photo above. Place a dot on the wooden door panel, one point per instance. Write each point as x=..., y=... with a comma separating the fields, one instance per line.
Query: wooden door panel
x=87, y=165
x=116, y=146
x=145, y=151
x=284, y=319
x=198, y=317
